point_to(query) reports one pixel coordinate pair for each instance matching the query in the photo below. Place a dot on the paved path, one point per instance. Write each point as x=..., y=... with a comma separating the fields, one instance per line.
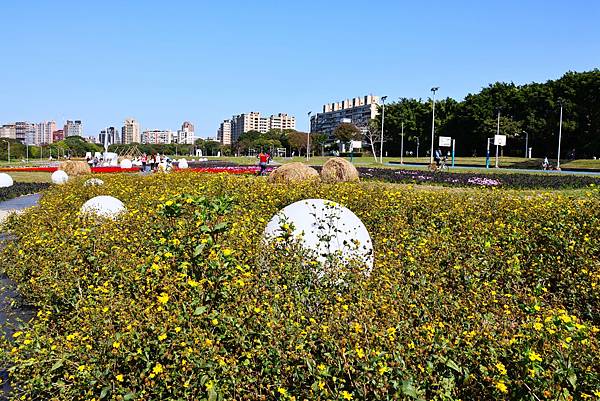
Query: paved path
x=12, y=311
x=501, y=169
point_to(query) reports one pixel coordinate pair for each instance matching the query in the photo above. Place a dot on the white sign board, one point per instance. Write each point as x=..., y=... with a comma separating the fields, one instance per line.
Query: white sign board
x=356, y=144
x=445, y=141
x=500, y=140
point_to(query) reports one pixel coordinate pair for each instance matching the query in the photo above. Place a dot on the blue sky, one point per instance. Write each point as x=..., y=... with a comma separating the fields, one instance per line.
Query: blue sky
x=163, y=62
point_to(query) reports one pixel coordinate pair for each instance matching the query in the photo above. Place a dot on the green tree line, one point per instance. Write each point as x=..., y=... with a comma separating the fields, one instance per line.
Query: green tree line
x=529, y=111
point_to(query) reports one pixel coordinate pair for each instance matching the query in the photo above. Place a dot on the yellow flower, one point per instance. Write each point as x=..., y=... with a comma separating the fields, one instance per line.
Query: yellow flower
x=162, y=336
x=533, y=356
x=163, y=298
x=501, y=368
x=158, y=368
x=282, y=391
x=346, y=395
x=227, y=252
x=501, y=386
x=119, y=377
x=538, y=326
x=116, y=344
x=214, y=322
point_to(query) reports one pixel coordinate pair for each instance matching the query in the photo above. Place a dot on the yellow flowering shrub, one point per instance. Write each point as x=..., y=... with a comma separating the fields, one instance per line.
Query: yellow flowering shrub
x=475, y=294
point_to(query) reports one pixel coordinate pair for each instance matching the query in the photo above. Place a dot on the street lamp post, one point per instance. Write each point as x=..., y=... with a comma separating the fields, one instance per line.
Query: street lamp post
x=417, y=148
x=382, y=123
x=526, y=142
x=433, y=90
x=497, y=133
x=308, y=137
x=560, y=103
x=402, y=145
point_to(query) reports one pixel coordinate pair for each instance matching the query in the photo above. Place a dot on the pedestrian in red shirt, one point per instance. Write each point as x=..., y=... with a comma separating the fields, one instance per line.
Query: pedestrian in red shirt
x=263, y=159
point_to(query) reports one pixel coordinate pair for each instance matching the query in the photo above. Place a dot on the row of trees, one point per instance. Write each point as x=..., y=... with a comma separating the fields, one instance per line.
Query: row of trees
x=74, y=146
x=530, y=110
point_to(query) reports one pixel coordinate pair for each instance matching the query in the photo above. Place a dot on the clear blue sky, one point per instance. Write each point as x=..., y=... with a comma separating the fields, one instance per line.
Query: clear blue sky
x=163, y=62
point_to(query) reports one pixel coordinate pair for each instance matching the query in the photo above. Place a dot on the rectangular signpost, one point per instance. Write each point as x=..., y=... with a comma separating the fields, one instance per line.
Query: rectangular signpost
x=499, y=140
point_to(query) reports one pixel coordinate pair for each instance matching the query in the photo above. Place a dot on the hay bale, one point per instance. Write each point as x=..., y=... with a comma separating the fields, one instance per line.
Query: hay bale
x=337, y=169
x=293, y=172
x=74, y=167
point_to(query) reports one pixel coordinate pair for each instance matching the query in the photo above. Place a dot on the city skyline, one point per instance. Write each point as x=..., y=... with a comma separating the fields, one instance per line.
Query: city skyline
x=203, y=66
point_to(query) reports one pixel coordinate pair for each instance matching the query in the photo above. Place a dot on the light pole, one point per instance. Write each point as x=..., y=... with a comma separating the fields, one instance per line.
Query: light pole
x=402, y=145
x=560, y=103
x=433, y=90
x=417, y=148
x=27, y=152
x=497, y=133
x=526, y=142
x=308, y=137
x=8, y=143
x=382, y=123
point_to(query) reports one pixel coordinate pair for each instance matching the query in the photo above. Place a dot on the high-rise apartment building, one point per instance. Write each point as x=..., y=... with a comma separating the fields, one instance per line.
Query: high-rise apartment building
x=8, y=131
x=224, y=133
x=186, y=134
x=157, y=136
x=43, y=132
x=254, y=122
x=73, y=128
x=25, y=132
x=358, y=110
x=130, y=133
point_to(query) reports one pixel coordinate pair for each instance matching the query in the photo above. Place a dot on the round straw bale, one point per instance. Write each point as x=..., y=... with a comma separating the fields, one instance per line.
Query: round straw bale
x=75, y=167
x=337, y=169
x=293, y=172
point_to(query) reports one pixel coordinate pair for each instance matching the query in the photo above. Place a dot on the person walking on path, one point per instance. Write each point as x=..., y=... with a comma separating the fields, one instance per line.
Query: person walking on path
x=263, y=159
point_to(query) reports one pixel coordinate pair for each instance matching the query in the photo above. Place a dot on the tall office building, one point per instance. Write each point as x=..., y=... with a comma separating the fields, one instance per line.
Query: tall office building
x=109, y=136
x=8, y=131
x=157, y=136
x=130, y=133
x=358, y=110
x=186, y=134
x=73, y=128
x=254, y=122
x=224, y=133
x=43, y=132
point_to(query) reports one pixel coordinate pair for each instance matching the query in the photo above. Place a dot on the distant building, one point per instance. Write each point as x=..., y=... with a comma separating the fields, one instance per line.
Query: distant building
x=109, y=136
x=73, y=128
x=8, y=131
x=25, y=132
x=186, y=134
x=224, y=133
x=254, y=122
x=358, y=110
x=58, y=135
x=43, y=132
x=157, y=136
x=130, y=133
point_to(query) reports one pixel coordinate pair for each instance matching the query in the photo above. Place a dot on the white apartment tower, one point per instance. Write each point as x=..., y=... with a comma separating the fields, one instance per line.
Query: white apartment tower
x=254, y=122
x=224, y=133
x=186, y=134
x=358, y=110
x=73, y=128
x=43, y=132
x=130, y=133
x=158, y=137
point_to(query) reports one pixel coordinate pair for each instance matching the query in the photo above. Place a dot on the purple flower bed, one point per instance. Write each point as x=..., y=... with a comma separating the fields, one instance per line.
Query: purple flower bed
x=518, y=181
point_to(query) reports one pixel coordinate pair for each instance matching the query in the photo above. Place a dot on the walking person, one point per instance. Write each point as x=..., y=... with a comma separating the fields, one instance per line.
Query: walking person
x=144, y=160
x=263, y=159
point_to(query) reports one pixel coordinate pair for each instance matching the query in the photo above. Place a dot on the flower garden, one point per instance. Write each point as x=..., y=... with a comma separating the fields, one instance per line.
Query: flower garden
x=478, y=293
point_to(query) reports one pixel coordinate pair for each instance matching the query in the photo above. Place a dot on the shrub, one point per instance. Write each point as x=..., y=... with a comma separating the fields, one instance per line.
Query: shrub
x=475, y=294
x=20, y=189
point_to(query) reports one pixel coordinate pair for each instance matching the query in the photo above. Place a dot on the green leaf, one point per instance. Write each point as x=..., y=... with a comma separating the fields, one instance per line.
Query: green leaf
x=104, y=392
x=199, y=249
x=453, y=365
x=56, y=366
x=200, y=310
x=128, y=396
x=409, y=389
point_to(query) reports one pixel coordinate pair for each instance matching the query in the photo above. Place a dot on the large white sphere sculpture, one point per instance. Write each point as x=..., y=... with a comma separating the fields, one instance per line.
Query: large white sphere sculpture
x=325, y=229
x=103, y=206
x=182, y=163
x=59, y=177
x=93, y=182
x=5, y=180
x=126, y=163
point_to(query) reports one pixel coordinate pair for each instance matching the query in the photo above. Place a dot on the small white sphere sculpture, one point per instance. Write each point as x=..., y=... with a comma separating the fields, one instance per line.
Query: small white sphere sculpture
x=59, y=177
x=6, y=180
x=325, y=229
x=103, y=206
x=182, y=163
x=126, y=163
x=93, y=182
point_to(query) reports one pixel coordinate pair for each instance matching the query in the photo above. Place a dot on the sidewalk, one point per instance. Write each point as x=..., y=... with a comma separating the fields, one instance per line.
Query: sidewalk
x=17, y=205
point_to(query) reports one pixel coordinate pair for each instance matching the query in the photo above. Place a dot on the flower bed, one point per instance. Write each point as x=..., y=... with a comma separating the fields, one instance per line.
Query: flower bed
x=231, y=170
x=20, y=189
x=507, y=180
x=53, y=169
x=474, y=295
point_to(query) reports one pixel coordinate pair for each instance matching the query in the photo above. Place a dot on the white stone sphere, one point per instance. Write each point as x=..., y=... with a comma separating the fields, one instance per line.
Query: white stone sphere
x=126, y=163
x=182, y=163
x=325, y=229
x=103, y=206
x=59, y=177
x=93, y=182
x=6, y=180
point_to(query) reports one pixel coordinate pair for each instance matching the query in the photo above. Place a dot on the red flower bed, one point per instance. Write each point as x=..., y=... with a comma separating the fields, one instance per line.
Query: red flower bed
x=53, y=169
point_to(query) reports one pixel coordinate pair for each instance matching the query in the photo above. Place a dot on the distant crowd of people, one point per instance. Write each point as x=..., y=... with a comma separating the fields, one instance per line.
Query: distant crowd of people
x=146, y=163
